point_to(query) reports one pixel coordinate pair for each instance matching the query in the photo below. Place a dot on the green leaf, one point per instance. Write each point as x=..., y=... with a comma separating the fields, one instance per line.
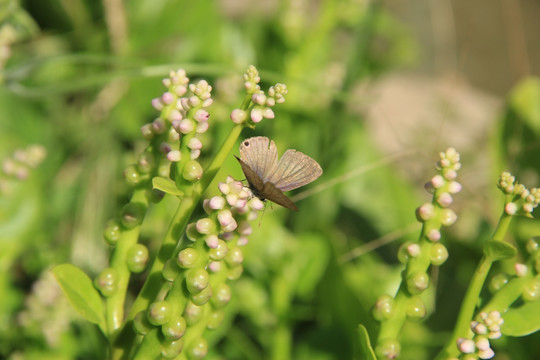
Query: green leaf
x=522, y=321
x=311, y=260
x=166, y=185
x=498, y=250
x=365, y=351
x=81, y=293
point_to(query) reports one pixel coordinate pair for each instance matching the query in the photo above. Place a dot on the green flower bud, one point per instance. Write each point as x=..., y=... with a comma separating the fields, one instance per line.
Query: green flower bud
x=170, y=348
x=175, y=328
x=222, y=295
x=206, y=226
x=498, y=282
x=388, y=349
x=141, y=325
x=197, y=349
x=170, y=270
x=438, y=254
x=132, y=175
x=220, y=251
x=187, y=258
x=416, y=310
x=235, y=272
x=448, y=217
x=132, y=215
x=137, y=258
x=192, y=313
x=146, y=162
x=417, y=282
x=112, y=232
x=160, y=312
x=532, y=245
x=196, y=280
x=216, y=318
x=192, y=233
x=192, y=170
x=106, y=282
x=403, y=253
x=384, y=308
x=531, y=290
x=234, y=256
x=202, y=297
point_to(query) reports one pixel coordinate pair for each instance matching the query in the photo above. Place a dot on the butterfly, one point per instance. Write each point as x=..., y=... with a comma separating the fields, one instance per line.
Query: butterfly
x=268, y=178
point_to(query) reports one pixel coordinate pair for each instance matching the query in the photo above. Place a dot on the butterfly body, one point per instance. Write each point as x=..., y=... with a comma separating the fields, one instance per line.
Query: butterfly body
x=268, y=178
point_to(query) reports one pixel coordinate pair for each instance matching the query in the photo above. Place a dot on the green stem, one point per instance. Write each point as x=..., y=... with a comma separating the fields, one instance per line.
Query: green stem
x=468, y=306
x=115, y=303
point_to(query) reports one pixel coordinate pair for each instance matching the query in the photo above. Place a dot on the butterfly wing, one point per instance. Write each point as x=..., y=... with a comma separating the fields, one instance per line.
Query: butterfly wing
x=265, y=190
x=274, y=194
x=255, y=182
x=260, y=155
x=293, y=170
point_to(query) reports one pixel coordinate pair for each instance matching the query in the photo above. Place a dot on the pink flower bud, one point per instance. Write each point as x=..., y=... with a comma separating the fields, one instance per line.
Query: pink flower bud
x=174, y=155
x=174, y=115
x=167, y=98
x=194, y=143
x=185, y=126
x=212, y=241
x=157, y=104
x=202, y=127
x=216, y=203
x=437, y=181
x=268, y=113
x=256, y=115
x=201, y=115
x=224, y=188
x=238, y=116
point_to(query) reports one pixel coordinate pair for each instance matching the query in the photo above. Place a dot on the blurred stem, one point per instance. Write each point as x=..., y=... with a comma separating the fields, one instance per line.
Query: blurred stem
x=115, y=303
x=281, y=300
x=468, y=306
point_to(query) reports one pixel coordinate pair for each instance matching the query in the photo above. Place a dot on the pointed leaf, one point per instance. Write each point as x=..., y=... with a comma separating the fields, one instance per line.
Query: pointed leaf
x=523, y=320
x=498, y=250
x=365, y=351
x=81, y=293
x=166, y=185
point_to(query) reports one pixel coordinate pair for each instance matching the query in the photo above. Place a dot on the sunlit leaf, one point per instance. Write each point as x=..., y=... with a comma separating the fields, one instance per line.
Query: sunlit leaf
x=498, y=250
x=166, y=185
x=81, y=293
x=522, y=321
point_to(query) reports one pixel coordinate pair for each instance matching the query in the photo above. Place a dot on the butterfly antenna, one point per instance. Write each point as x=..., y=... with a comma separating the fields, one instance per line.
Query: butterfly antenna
x=262, y=215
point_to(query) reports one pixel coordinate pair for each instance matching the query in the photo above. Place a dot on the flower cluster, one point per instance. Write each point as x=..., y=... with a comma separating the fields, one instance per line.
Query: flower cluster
x=19, y=165
x=262, y=103
x=418, y=256
x=486, y=327
x=212, y=256
x=176, y=132
x=520, y=200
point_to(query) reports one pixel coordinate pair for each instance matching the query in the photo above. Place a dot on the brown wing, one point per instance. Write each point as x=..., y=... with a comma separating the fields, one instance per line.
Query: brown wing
x=265, y=190
x=255, y=182
x=293, y=170
x=272, y=193
x=260, y=154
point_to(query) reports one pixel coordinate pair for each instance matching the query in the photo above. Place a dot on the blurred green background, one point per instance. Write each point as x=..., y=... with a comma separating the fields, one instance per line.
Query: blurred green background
x=376, y=90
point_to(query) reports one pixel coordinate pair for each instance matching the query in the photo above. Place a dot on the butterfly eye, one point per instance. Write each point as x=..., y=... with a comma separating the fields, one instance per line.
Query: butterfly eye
x=246, y=143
